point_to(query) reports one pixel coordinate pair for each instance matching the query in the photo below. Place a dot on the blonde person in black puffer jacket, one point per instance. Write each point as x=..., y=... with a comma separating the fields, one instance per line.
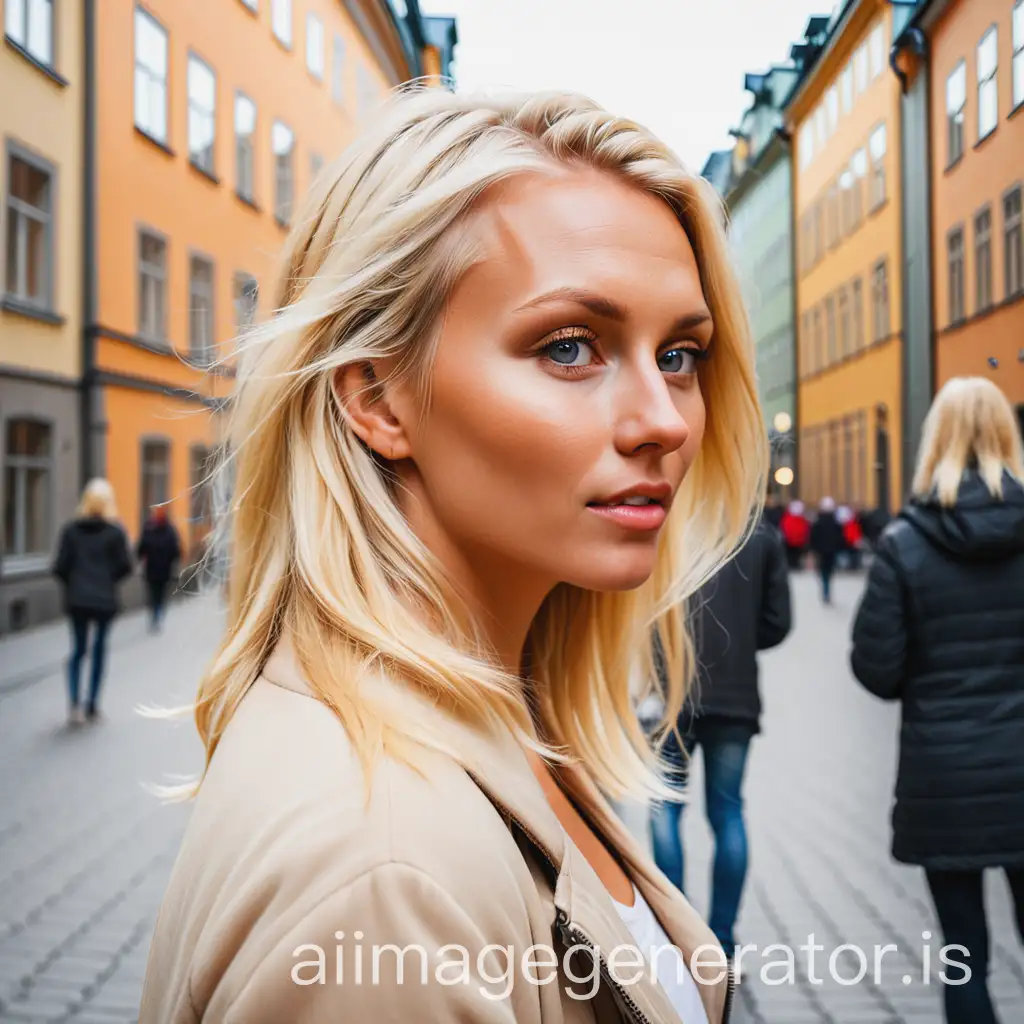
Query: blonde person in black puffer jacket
x=941, y=629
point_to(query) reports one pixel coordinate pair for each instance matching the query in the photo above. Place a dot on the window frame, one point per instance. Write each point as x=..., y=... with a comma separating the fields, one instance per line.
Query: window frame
x=161, y=339
x=144, y=12
x=857, y=314
x=12, y=206
x=881, y=315
x=317, y=75
x=951, y=117
x=878, y=186
x=338, y=53
x=983, y=269
x=1017, y=55
x=1009, y=291
x=239, y=282
x=13, y=563
x=989, y=80
x=206, y=355
x=281, y=215
x=164, y=442
x=24, y=45
x=250, y=195
x=956, y=297
x=277, y=21
x=195, y=59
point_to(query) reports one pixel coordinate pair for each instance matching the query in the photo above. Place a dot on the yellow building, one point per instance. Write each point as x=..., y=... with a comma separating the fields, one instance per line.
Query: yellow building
x=41, y=95
x=844, y=122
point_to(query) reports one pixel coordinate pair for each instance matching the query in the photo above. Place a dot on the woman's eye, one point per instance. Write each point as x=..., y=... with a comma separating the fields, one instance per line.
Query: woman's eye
x=678, y=360
x=569, y=352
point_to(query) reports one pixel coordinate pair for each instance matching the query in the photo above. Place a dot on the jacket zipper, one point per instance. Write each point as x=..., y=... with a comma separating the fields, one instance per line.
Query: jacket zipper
x=568, y=933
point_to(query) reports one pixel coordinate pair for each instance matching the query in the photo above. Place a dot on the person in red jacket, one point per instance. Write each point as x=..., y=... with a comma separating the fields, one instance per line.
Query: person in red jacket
x=796, y=533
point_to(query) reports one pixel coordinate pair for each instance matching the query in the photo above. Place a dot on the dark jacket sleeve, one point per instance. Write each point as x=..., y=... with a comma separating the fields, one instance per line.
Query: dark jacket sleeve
x=776, y=617
x=123, y=558
x=65, y=556
x=879, y=650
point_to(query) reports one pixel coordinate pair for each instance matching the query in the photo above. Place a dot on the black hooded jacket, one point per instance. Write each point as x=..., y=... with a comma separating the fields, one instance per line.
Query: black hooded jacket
x=92, y=558
x=941, y=628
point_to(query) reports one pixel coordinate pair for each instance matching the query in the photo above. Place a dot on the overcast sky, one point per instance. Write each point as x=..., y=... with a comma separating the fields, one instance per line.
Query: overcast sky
x=676, y=66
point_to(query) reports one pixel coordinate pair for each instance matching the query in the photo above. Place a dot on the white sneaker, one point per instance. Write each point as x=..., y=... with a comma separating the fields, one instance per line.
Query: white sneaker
x=77, y=716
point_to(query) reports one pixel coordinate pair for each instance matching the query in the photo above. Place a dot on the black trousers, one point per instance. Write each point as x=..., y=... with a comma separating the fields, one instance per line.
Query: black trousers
x=959, y=903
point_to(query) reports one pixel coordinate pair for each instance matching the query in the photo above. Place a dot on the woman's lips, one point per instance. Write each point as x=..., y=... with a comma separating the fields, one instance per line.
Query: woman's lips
x=632, y=517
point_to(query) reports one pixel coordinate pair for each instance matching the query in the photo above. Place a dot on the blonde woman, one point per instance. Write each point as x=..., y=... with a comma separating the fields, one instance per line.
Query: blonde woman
x=92, y=559
x=504, y=418
x=941, y=629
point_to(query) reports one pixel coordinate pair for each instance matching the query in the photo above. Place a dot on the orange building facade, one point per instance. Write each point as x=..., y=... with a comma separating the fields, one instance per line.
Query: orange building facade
x=844, y=121
x=977, y=130
x=208, y=124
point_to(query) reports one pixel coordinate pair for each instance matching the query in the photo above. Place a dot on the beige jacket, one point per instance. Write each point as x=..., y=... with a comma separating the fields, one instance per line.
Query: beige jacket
x=282, y=851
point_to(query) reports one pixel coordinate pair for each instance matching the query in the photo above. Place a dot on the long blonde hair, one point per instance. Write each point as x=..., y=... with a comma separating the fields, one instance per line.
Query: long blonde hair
x=319, y=551
x=97, y=501
x=970, y=425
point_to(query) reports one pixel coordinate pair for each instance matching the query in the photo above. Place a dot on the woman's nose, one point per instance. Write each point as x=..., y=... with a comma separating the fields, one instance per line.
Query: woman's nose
x=649, y=418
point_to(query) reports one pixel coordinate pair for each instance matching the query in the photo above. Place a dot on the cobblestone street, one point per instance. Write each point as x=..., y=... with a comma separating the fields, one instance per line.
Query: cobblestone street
x=85, y=848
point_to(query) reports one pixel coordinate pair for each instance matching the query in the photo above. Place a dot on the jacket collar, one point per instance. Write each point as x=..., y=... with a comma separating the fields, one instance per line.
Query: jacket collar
x=497, y=763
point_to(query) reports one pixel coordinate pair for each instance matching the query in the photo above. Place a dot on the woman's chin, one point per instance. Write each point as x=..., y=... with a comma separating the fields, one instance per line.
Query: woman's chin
x=615, y=570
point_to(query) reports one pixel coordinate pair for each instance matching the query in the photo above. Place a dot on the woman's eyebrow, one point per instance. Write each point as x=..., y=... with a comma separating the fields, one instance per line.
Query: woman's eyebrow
x=599, y=305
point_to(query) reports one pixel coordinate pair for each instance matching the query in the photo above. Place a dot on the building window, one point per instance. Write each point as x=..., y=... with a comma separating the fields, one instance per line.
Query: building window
x=281, y=19
x=315, y=46
x=200, y=309
x=805, y=345
x=857, y=317
x=338, y=70
x=246, y=301
x=983, y=259
x=245, y=158
x=848, y=223
x=859, y=167
x=283, y=144
x=818, y=225
x=818, y=354
x=806, y=145
x=876, y=49
x=988, y=88
x=28, y=482
x=955, y=247
x=956, y=102
x=860, y=69
x=845, y=346
x=202, y=113
x=832, y=110
x=1013, y=253
x=152, y=287
x=1018, y=53
x=880, y=301
x=150, y=76
x=155, y=476
x=833, y=227
x=29, y=276
x=200, y=472
x=876, y=149
x=29, y=23
x=846, y=87
x=366, y=91
x=316, y=165
x=832, y=328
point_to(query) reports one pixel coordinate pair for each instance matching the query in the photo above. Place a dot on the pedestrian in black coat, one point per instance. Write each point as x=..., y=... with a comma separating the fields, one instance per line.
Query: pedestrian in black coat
x=941, y=629
x=92, y=559
x=827, y=541
x=159, y=549
x=743, y=609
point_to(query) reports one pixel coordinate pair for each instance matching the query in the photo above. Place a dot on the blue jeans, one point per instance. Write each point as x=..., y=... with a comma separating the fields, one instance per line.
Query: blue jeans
x=725, y=742
x=80, y=622
x=826, y=568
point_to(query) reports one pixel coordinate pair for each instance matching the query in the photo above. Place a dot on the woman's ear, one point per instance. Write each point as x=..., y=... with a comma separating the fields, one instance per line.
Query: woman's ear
x=365, y=406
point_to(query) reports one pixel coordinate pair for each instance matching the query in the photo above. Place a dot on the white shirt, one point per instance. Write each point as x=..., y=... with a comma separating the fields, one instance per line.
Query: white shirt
x=670, y=968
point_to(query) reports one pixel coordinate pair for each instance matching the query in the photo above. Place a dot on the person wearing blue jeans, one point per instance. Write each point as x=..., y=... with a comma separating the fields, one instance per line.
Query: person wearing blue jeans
x=725, y=743
x=742, y=609
x=80, y=623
